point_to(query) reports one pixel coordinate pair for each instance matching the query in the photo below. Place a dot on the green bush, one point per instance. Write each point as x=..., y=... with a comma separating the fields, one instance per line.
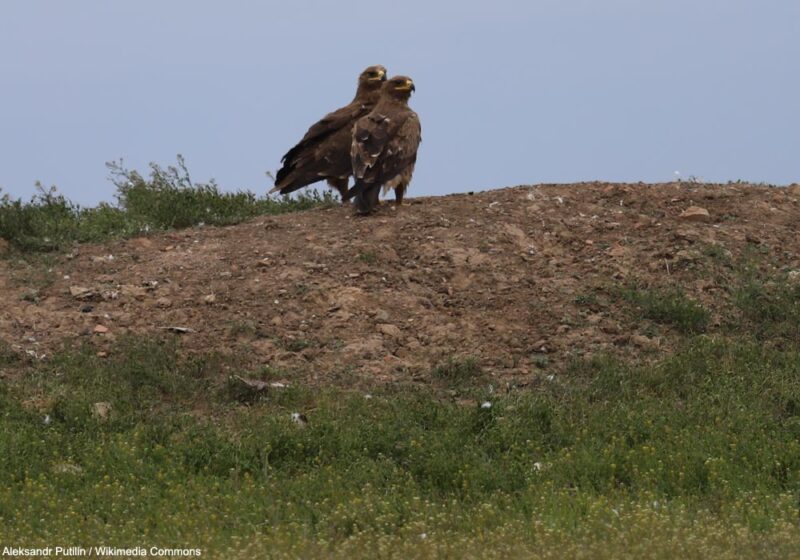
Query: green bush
x=669, y=307
x=50, y=221
x=459, y=370
x=166, y=199
x=770, y=310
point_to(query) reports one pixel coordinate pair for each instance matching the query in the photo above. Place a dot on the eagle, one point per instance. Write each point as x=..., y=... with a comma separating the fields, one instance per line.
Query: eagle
x=324, y=152
x=384, y=147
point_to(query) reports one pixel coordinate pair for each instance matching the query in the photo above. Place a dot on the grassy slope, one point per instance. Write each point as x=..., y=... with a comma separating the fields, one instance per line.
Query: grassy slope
x=697, y=454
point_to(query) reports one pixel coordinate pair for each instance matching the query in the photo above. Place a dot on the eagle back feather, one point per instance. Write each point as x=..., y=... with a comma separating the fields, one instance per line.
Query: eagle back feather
x=383, y=142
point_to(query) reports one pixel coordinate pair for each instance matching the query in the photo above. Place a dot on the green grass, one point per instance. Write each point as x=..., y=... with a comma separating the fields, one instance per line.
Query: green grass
x=699, y=452
x=7, y=354
x=769, y=308
x=669, y=306
x=459, y=372
x=166, y=199
x=368, y=257
x=588, y=300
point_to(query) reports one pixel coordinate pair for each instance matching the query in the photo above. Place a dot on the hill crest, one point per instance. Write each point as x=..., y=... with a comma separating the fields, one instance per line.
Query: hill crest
x=521, y=279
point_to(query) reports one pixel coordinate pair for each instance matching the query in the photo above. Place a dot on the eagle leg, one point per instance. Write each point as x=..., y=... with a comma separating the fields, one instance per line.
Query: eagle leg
x=399, y=192
x=357, y=188
x=367, y=199
x=340, y=185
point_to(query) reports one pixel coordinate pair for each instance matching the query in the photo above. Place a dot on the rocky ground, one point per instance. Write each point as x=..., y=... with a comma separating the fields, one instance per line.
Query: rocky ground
x=522, y=279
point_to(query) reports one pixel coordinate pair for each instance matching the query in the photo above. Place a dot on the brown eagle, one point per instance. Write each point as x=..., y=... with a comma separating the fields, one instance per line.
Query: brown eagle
x=324, y=152
x=384, y=148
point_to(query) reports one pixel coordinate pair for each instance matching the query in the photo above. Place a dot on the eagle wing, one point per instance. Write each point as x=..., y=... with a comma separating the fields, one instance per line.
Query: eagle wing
x=328, y=124
x=314, y=157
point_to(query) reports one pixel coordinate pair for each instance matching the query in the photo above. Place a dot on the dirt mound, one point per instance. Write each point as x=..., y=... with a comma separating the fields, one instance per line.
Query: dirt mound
x=522, y=279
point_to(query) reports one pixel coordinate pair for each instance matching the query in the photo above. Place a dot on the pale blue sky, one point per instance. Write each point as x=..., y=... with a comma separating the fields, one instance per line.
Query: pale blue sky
x=509, y=92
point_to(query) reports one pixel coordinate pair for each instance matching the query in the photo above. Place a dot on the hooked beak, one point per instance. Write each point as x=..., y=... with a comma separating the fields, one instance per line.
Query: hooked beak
x=408, y=86
x=380, y=77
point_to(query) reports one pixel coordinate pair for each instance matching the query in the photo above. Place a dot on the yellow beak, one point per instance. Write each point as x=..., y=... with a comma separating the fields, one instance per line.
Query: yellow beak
x=408, y=86
x=380, y=77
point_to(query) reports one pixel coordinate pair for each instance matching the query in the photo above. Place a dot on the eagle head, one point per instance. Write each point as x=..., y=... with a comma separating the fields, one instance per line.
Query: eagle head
x=399, y=87
x=373, y=75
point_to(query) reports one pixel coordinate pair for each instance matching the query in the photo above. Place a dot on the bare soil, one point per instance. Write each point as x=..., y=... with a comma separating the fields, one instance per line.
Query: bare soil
x=522, y=279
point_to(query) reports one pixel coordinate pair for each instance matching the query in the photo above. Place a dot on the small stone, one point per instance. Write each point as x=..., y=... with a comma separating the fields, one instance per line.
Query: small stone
x=686, y=234
x=80, y=292
x=164, y=302
x=102, y=354
x=368, y=348
x=101, y=410
x=209, y=299
x=617, y=250
x=687, y=256
x=540, y=346
x=314, y=266
x=299, y=418
x=381, y=315
x=100, y=329
x=109, y=295
x=67, y=468
x=342, y=315
x=695, y=214
x=390, y=330
x=136, y=292
x=141, y=242
x=644, y=342
x=594, y=318
x=179, y=330
x=253, y=384
x=87, y=308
